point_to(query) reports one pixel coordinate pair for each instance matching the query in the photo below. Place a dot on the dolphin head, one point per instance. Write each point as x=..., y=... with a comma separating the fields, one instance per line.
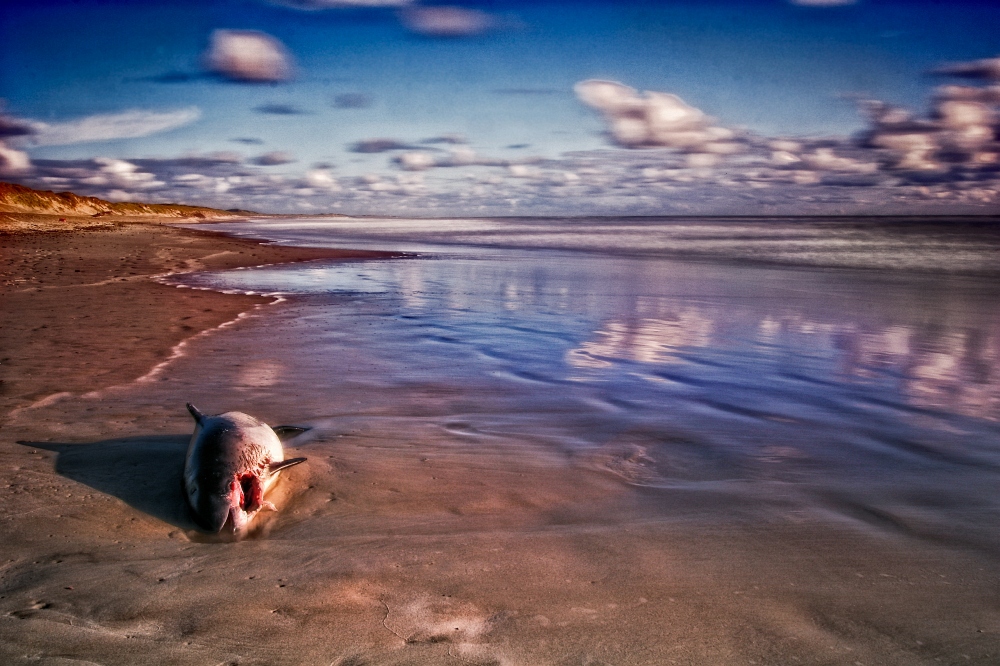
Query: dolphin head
x=225, y=503
x=211, y=500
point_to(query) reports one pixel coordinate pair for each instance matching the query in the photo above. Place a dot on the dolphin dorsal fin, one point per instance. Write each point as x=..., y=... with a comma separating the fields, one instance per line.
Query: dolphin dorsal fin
x=276, y=467
x=198, y=416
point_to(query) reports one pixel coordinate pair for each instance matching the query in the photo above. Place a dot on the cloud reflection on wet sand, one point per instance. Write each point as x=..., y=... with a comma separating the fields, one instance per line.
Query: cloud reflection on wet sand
x=935, y=366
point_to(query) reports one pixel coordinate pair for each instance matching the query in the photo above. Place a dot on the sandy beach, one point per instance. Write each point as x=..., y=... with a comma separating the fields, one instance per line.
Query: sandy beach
x=590, y=333
x=408, y=538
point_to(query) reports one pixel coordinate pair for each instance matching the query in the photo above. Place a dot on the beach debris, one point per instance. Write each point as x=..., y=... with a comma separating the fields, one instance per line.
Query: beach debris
x=232, y=462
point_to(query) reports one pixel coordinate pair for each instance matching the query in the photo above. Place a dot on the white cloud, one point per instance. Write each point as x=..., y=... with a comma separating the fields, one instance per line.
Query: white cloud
x=321, y=179
x=109, y=126
x=987, y=94
x=987, y=68
x=962, y=129
x=248, y=56
x=458, y=156
x=119, y=195
x=120, y=174
x=654, y=119
x=524, y=171
x=824, y=159
x=415, y=161
x=379, y=145
x=462, y=156
x=702, y=160
x=913, y=150
x=447, y=21
x=13, y=161
x=274, y=158
x=784, y=158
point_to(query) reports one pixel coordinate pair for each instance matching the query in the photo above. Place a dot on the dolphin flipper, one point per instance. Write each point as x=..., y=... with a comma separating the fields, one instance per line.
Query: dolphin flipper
x=286, y=432
x=276, y=467
x=198, y=416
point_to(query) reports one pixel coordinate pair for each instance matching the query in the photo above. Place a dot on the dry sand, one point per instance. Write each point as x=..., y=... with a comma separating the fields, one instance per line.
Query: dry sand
x=417, y=547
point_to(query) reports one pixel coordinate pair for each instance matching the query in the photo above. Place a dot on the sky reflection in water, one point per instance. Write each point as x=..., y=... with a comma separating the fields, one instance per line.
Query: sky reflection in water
x=848, y=383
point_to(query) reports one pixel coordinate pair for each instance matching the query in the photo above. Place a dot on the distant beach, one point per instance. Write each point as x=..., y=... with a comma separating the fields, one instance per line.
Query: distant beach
x=646, y=442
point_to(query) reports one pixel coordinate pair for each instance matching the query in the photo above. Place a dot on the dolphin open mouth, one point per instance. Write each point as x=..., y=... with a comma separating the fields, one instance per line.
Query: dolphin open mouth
x=246, y=496
x=249, y=492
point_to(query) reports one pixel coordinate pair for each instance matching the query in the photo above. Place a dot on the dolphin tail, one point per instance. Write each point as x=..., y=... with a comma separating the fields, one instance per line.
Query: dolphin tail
x=276, y=467
x=198, y=416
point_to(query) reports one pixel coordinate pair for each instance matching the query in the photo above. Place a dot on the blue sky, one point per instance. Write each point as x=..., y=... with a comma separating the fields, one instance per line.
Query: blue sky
x=501, y=91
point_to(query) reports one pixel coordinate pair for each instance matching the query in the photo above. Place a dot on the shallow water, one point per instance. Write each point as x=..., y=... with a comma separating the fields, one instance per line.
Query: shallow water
x=872, y=395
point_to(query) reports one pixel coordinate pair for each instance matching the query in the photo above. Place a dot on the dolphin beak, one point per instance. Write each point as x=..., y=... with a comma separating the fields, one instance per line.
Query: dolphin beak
x=214, y=519
x=236, y=521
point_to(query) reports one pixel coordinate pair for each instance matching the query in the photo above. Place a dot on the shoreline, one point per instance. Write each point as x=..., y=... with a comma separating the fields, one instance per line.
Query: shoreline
x=82, y=309
x=23, y=223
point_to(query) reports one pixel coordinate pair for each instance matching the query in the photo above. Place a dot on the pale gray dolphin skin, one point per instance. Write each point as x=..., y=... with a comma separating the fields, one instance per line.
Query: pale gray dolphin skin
x=232, y=461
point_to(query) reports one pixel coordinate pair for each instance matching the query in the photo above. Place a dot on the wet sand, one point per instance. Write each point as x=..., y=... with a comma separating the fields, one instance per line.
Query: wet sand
x=79, y=310
x=407, y=538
